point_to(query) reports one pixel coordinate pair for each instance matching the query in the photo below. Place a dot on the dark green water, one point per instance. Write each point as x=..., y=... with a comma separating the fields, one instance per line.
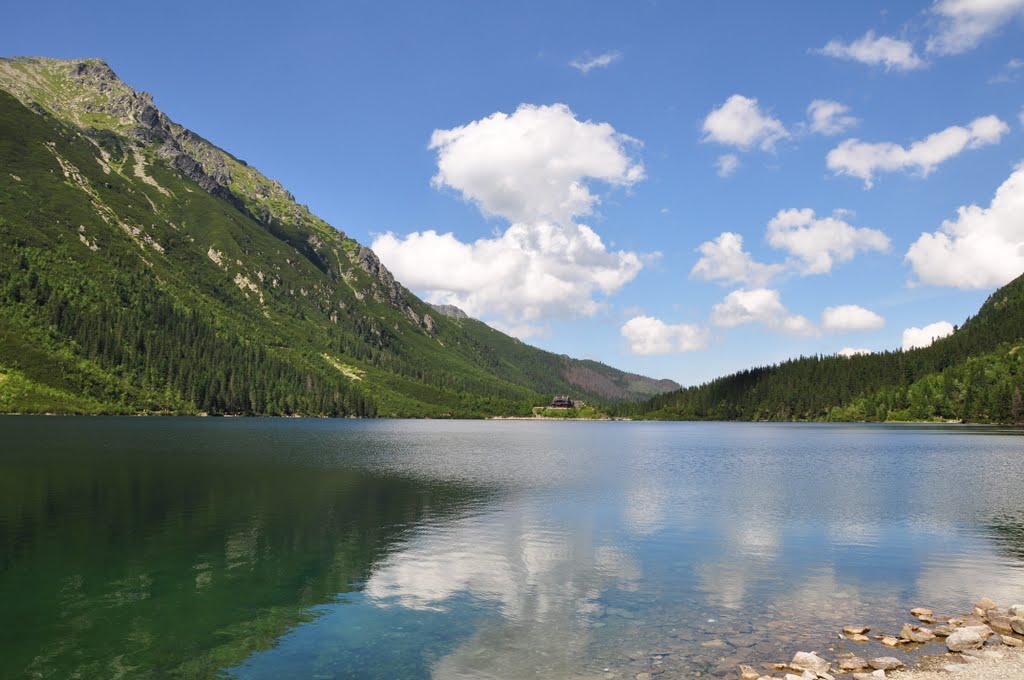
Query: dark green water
x=199, y=548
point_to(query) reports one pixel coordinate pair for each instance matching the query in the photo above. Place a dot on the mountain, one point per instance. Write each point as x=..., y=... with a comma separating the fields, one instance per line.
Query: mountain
x=974, y=375
x=144, y=269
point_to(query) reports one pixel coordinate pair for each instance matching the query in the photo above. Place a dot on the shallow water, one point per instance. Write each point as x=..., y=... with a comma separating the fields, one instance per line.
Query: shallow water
x=196, y=548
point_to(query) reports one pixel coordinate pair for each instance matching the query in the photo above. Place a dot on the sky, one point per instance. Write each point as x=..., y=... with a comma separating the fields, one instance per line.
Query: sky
x=681, y=190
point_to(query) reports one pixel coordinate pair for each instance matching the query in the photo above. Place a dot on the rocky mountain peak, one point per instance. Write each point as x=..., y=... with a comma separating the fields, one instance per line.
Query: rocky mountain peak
x=451, y=311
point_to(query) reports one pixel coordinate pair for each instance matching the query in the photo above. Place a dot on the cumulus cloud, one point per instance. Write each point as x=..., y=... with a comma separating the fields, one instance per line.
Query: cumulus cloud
x=850, y=318
x=725, y=261
x=585, y=64
x=893, y=54
x=829, y=117
x=862, y=159
x=759, y=305
x=740, y=122
x=727, y=164
x=532, y=168
x=922, y=337
x=533, y=165
x=648, y=335
x=530, y=273
x=981, y=248
x=818, y=243
x=963, y=24
x=853, y=351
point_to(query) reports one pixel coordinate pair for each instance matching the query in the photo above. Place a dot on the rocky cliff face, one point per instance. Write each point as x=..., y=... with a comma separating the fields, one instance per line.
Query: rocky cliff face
x=451, y=311
x=67, y=89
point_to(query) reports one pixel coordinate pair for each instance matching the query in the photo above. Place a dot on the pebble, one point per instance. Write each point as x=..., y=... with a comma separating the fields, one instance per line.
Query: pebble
x=854, y=663
x=869, y=676
x=885, y=663
x=956, y=667
x=809, y=661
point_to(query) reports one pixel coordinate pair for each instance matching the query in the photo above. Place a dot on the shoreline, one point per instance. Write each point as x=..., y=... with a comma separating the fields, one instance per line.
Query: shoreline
x=985, y=644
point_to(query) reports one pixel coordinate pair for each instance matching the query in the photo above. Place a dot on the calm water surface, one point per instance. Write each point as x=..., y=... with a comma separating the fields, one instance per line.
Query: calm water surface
x=201, y=548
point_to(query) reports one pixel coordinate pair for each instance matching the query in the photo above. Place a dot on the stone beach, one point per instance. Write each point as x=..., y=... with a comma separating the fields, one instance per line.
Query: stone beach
x=985, y=644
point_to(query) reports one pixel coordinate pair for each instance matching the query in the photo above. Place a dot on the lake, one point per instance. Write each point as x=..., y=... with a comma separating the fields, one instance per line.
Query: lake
x=280, y=548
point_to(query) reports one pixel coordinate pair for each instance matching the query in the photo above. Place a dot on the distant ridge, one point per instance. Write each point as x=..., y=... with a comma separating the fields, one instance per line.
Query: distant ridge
x=975, y=375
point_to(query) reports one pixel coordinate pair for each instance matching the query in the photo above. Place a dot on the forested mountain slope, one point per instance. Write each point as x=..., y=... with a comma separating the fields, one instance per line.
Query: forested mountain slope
x=143, y=269
x=974, y=375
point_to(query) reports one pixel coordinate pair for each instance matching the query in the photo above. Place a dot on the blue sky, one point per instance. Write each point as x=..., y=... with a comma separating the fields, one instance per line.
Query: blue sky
x=561, y=168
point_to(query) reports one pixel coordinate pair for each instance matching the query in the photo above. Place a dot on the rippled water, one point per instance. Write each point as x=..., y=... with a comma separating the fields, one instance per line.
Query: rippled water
x=200, y=548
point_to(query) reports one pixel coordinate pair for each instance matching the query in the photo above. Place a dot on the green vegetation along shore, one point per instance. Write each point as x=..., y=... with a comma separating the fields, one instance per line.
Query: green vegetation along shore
x=145, y=270
x=974, y=375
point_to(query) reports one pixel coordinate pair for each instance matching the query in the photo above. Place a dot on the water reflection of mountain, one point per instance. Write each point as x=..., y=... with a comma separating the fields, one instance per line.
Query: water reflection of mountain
x=125, y=562
x=1008, y=536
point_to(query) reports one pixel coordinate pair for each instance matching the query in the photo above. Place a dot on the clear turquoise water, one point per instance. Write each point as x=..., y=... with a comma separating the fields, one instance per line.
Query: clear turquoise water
x=196, y=548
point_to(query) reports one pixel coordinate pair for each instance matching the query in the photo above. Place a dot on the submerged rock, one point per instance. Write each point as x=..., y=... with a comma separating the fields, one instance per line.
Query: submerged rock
x=916, y=633
x=809, y=661
x=923, y=614
x=855, y=630
x=749, y=673
x=983, y=605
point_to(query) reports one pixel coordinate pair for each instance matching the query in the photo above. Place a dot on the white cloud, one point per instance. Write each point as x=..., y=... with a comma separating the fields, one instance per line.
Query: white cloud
x=533, y=165
x=829, y=117
x=965, y=23
x=532, y=168
x=820, y=242
x=648, y=335
x=862, y=159
x=585, y=64
x=530, y=273
x=981, y=248
x=850, y=318
x=727, y=164
x=891, y=53
x=759, y=305
x=724, y=260
x=853, y=351
x=739, y=122
x=922, y=337
x=1010, y=72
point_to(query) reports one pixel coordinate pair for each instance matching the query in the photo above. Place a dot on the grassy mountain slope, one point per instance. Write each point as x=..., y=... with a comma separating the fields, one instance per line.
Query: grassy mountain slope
x=974, y=375
x=144, y=269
